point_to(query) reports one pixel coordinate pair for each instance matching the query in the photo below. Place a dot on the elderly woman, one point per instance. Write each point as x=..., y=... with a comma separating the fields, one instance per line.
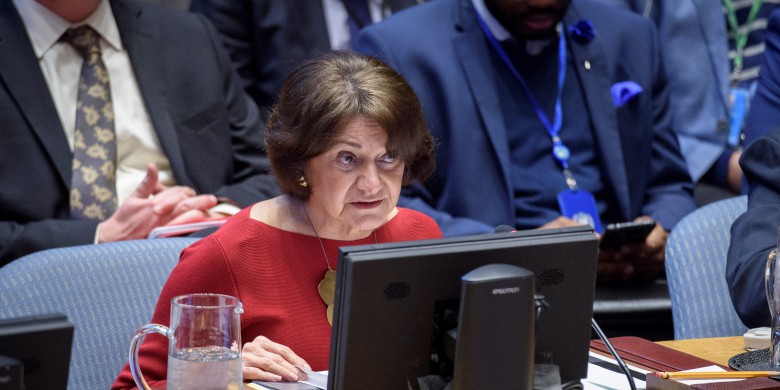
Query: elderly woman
x=344, y=137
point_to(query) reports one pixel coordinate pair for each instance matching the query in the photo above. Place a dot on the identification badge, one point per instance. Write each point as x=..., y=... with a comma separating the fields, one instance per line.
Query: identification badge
x=739, y=107
x=580, y=206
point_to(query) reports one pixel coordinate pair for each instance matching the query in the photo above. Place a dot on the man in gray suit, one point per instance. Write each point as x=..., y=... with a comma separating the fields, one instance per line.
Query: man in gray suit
x=698, y=32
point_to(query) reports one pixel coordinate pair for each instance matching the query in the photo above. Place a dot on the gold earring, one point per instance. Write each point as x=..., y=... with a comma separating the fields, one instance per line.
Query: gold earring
x=302, y=181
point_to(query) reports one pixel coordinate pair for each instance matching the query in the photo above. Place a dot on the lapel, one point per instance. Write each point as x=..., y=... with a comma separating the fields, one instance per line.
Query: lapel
x=20, y=72
x=713, y=33
x=474, y=55
x=596, y=83
x=141, y=40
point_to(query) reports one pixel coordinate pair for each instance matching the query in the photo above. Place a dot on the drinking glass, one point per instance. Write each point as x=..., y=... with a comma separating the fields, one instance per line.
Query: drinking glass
x=204, y=339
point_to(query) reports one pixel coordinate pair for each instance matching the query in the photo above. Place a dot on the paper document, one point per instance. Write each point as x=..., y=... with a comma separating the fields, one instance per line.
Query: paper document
x=259, y=385
x=185, y=228
x=318, y=380
x=604, y=374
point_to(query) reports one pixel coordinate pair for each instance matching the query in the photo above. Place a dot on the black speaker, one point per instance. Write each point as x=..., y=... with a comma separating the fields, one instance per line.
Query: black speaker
x=495, y=335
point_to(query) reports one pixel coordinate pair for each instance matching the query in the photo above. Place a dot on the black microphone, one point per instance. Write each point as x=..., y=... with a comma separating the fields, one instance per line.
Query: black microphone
x=505, y=229
x=621, y=364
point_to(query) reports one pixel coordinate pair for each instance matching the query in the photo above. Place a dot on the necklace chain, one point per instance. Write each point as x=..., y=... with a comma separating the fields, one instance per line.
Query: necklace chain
x=305, y=209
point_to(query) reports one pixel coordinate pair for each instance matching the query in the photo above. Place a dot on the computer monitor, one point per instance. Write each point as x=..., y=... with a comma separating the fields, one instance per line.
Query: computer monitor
x=42, y=343
x=387, y=297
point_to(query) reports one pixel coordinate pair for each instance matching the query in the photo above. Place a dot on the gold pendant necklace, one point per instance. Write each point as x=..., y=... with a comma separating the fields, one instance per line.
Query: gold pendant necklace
x=327, y=286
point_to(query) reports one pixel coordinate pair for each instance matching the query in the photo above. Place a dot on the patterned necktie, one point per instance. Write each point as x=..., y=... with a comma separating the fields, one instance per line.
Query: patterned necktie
x=93, y=184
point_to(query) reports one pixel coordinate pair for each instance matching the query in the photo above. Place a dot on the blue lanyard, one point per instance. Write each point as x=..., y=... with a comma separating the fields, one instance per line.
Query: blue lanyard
x=559, y=150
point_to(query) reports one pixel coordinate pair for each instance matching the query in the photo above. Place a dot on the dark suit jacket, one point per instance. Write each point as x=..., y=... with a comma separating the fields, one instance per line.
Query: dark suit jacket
x=208, y=127
x=267, y=39
x=455, y=73
x=755, y=233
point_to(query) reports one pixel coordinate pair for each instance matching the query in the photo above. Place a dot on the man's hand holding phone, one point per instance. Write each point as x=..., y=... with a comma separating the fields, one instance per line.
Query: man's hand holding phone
x=617, y=235
x=632, y=251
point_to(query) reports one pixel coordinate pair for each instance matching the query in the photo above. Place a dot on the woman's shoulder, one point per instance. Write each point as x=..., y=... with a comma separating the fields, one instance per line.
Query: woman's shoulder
x=415, y=224
x=413, y=215
x=239, y=228
x=241, y=238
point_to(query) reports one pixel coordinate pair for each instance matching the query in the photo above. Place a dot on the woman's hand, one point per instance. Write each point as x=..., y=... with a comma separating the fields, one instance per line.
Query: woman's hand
x=268, y=361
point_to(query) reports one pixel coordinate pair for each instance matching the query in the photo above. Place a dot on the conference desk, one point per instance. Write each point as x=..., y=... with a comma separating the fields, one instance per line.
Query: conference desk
x=717, y=350
x=675, y=355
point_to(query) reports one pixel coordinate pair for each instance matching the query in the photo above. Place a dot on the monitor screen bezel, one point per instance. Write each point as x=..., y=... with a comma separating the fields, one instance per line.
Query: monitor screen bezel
x=43, y=344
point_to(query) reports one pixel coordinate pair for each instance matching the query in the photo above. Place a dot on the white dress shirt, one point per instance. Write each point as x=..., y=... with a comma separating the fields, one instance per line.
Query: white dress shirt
x=532, y=46
x=337, y=20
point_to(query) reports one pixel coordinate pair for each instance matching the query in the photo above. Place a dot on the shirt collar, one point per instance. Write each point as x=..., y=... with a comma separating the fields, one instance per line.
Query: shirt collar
x=501, y=34
x=493, y=25
x=45, y=28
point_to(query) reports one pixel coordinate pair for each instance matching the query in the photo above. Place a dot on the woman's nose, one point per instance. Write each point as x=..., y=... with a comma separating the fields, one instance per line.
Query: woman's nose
x=369, y=181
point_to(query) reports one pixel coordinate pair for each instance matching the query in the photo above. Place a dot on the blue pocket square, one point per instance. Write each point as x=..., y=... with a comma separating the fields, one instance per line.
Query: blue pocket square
x=623, y=91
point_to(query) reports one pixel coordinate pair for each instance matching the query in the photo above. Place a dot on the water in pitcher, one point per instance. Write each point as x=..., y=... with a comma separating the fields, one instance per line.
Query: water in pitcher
x=207, y=368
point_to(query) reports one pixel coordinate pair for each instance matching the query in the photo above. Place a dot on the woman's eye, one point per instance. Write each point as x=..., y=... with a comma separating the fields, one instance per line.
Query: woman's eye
x=346, y=159
x=387, y=158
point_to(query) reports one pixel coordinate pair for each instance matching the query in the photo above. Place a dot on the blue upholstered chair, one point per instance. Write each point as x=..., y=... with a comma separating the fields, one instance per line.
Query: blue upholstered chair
x=107, y=291
x=696, y=271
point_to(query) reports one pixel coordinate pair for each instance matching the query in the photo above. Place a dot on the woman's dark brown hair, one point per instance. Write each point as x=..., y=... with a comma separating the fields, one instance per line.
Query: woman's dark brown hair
x=322, y=96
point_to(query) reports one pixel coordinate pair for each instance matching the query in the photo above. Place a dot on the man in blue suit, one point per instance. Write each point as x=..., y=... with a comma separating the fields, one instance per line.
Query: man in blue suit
x=545, y=112
x=755, y=233
x=698, y=32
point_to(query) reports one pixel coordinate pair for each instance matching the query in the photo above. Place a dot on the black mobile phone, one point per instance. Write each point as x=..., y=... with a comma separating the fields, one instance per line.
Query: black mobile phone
x=618, y=234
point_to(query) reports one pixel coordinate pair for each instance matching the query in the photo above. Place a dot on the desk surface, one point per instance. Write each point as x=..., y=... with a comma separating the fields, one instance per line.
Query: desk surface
x=717, y=350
